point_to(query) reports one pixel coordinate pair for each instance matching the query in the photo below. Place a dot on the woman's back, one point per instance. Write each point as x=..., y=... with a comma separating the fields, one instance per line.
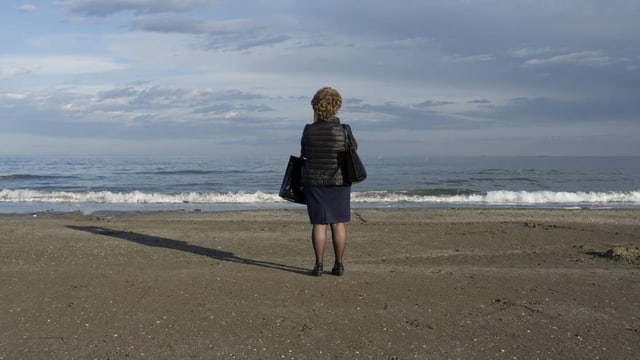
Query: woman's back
x=323, y=145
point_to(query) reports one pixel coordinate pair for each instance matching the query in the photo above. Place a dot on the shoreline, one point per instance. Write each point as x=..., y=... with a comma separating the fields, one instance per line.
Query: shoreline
x=450, y=214
x=419, y=283
x=115, y=209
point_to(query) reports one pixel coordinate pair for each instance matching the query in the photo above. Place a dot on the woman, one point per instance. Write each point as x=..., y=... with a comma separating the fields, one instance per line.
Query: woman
x=327, y=192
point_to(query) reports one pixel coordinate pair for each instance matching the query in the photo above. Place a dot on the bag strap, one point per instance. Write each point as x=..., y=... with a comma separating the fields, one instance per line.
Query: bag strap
x=347, y=145
x=347, y=136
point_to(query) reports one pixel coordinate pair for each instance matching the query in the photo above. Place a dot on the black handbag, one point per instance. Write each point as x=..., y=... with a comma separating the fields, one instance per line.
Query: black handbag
x=291, y=188
x=355, y=170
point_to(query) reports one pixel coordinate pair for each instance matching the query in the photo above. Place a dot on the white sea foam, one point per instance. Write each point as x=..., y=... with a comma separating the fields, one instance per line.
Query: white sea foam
x=135, y=197
x=522, y=198
x=506, y=198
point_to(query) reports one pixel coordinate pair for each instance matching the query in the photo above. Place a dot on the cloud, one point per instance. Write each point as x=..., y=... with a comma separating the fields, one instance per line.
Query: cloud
x=9, y=72
x=528, y=52
x=458, y=59
x=431, y=103
x=229, y=70
x=188, y=25
x=587, y=58
x=229, y=34
x=27, y=8
x=131, y=111
x=109, y=7
x=226, y=108
x=547, y=111
x=12, y=96
x=57, y=64
x=479, y=101
x=389, y=116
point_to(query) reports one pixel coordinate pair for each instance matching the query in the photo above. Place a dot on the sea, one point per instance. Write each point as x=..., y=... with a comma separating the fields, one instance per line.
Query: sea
x=102, y=185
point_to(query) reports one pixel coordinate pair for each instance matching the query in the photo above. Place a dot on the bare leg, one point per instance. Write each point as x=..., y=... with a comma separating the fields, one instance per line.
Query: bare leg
x=339, y=236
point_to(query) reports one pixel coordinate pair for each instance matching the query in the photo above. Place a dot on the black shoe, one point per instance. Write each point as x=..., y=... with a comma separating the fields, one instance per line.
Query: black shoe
x=317, y=270
x=338, y=269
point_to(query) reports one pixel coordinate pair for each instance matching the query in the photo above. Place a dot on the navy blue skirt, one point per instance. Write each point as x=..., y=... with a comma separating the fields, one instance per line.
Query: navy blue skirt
x=328, y=205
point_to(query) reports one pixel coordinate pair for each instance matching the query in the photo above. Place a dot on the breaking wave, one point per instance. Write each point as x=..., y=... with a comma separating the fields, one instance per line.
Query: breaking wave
x=425, y=197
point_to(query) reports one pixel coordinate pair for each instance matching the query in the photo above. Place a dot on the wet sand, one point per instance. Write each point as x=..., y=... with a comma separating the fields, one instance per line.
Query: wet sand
x=419, y=284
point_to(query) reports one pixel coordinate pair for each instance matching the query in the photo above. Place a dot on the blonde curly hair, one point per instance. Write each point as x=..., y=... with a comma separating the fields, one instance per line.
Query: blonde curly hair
x=326, y=102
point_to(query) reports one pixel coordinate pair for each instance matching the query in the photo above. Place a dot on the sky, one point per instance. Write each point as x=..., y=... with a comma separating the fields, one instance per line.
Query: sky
x=235, y=78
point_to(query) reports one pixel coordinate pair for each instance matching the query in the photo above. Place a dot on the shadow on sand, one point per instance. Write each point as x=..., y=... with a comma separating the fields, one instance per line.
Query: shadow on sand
x=186, y=247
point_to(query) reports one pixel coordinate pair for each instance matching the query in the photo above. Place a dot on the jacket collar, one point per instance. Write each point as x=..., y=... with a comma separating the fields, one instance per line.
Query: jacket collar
x=334, y=119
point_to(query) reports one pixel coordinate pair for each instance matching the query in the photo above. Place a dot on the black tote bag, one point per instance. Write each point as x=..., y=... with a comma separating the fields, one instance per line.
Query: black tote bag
x=291, y=188
x=354, y=167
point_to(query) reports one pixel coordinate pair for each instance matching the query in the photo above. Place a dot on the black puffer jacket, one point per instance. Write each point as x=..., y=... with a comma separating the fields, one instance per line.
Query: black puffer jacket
x=323, y=146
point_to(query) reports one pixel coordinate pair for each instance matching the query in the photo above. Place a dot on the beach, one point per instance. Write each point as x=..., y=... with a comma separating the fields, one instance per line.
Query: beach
x=418, y=284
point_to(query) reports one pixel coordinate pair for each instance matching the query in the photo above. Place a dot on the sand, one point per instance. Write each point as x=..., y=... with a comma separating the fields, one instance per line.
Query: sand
x=419, y=284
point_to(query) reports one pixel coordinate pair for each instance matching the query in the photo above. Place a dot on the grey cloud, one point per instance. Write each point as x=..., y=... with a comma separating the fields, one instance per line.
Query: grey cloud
x=432, y=103
x=546, y=110
x=588, y=58
x=467, y=28
x=186, y=25
x=352, y=101
x=235, y=34
x=428, y=47
x=479, y=101
x=222, y=108
x=166, y=24
x=214, y=109
x=468, y=58
x=398, y=116
x=256, y=108
x=549, y=57
x=9, y=72
x=38, y=116
x=230, y=95
x=262, y=41
x=161, y=96
x=109, y=7
x=527, y=52
x=156, y=96
x=168, y=96
x=516, y=113
x=27, y=8
x=117, y=93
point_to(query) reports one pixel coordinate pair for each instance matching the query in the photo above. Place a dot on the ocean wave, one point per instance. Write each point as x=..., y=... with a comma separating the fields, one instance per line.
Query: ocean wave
x=135, y=197
x=201, y=172
x=31, y=177
x=504, y=197
x=453, y=197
